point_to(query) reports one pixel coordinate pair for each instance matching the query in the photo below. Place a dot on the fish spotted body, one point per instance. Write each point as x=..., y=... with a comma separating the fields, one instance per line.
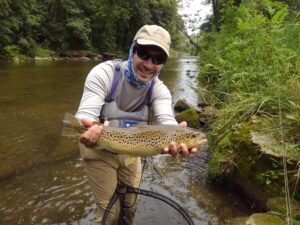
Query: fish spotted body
x=143, y=140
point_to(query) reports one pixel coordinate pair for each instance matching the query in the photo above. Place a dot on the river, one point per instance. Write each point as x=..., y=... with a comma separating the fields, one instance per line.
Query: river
x=42, y=179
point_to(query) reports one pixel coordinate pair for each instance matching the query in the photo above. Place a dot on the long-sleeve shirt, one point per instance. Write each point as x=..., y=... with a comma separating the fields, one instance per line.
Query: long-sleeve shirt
x=98, y=85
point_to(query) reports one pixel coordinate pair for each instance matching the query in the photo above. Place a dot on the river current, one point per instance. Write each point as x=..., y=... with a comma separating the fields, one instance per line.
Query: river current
x=42, y=179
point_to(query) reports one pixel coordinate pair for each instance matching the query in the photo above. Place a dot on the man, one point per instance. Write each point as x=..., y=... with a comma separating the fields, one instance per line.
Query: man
x=124, y=93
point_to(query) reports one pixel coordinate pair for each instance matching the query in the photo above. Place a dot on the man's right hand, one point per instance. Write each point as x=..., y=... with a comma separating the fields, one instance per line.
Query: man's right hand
x=91, y=136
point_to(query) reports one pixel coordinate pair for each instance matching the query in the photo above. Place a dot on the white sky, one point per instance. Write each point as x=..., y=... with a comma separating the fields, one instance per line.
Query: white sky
x=196, y=10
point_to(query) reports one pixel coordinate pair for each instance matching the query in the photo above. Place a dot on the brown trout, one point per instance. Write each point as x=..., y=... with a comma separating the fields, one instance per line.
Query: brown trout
x=142, y=140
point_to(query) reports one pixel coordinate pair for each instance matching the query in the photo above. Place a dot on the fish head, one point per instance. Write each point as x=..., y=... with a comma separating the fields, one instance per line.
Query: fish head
x=191, y=137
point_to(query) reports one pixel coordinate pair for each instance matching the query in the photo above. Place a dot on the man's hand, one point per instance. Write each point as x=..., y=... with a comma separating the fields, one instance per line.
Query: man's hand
x=183, y=150
x=91, y=136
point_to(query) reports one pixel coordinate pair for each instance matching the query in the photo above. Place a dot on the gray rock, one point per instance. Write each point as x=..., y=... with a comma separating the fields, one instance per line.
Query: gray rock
x=264, y=219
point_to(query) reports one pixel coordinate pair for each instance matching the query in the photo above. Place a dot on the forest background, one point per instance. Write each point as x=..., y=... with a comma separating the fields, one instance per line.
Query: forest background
x=43, y=28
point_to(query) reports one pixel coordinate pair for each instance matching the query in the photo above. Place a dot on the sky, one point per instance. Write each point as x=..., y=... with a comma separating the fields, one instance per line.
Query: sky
x=195, y=10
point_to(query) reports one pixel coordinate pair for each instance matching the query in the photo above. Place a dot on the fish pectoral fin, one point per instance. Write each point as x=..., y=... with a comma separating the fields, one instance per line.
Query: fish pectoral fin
x=177, y=157
x=154, y=166
x=158, y=170
x=99, y=146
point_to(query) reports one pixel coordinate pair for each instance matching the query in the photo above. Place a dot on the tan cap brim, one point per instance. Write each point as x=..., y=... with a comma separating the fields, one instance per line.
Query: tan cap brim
x=150, y=42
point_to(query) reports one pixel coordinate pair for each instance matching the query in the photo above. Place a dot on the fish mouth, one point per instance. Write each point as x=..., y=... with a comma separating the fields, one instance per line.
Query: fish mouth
x=200, y=143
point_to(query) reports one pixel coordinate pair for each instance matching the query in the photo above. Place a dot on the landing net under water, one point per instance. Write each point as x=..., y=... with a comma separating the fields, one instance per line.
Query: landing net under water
x=152, y=208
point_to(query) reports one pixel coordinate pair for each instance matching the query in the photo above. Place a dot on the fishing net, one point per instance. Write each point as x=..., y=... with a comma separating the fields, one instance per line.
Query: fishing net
x=152, y=208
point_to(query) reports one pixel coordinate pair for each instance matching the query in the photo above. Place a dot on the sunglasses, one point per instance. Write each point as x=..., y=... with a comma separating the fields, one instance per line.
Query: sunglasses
x=156, y=59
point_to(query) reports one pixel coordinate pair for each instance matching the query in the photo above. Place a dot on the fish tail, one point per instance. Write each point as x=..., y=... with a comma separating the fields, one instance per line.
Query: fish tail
x=71, y=126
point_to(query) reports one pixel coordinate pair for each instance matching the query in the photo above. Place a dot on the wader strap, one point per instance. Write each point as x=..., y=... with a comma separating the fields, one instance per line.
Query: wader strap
x=117, y=75
x=149, y=92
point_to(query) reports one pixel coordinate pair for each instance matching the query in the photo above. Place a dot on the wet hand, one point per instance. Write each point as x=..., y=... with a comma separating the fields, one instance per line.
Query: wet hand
x=182, y=150
x=91, y=136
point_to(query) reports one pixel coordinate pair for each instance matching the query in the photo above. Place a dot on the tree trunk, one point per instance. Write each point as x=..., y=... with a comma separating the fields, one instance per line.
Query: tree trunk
x=196, y=45
x=216, y=12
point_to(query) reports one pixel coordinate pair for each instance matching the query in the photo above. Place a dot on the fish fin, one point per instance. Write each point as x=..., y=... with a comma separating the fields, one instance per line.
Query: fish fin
x=154, y=166
x=71, y=126
x=177, y=157
x=70, y=119
x=68, y=132
x=158, y=170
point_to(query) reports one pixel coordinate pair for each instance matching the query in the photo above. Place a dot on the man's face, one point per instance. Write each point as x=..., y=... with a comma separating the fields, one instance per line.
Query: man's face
x=147, y=62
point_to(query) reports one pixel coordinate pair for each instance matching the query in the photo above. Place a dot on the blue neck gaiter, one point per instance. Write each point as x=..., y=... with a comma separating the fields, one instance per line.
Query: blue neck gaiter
x=130, y=74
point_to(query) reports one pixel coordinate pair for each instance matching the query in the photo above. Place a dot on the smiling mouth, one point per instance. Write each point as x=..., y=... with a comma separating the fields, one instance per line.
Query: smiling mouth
x=145, y=73
x=145, y=70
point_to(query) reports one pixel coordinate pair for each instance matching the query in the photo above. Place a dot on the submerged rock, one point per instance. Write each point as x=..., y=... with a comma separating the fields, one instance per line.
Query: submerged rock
x=196, y=117
x=264, y=219
x=250, y=159
x=181, y=105
x=278, y=204
x=191, y=116
x=238, y=221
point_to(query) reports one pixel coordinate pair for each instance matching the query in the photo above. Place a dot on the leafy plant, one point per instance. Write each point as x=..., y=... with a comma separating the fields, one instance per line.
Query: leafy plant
x=252, y=66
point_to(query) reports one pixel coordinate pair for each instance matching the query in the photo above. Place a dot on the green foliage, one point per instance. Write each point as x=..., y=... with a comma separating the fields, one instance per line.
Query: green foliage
x=43, y=53
x=252, y=64
x=12, y=51
x=83, y=25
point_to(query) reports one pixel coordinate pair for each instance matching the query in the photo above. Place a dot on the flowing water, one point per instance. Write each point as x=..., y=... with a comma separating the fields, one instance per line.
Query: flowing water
x=42, y=179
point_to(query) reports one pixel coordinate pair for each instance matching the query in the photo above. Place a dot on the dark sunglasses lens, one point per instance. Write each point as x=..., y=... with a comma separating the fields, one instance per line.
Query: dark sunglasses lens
x=142, y=54
x=156, y=59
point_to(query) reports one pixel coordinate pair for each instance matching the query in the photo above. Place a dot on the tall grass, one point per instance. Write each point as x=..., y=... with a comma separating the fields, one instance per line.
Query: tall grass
x=253, y=67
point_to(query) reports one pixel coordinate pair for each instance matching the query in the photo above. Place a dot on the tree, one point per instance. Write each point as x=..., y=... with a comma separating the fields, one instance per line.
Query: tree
x=103, y=25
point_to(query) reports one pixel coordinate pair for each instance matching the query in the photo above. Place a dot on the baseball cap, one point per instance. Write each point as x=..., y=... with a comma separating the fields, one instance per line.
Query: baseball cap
x=154, y=35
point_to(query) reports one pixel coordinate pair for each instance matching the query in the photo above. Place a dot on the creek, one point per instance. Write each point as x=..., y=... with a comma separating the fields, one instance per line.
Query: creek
x=42, y=179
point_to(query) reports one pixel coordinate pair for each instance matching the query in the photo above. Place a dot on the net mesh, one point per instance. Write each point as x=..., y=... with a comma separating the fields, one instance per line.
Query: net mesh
x=152, y=211
x=151, y=208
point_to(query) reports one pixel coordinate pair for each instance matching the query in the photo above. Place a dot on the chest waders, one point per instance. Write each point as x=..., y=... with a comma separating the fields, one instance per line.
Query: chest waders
x=121, y=118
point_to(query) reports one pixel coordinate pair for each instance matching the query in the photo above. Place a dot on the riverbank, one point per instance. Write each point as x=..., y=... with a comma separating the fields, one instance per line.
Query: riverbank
x=78, y=55
x=251, y=68
x=75, y=55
